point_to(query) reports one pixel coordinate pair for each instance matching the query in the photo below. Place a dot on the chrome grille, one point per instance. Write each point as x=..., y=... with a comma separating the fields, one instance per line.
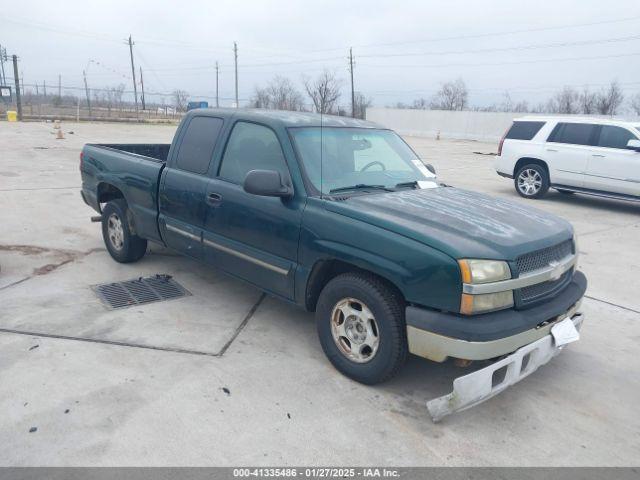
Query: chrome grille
x=534, y=292
x=541, y=258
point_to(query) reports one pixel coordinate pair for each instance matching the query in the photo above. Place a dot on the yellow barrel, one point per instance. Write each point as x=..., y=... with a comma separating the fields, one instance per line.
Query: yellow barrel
x=12, y=116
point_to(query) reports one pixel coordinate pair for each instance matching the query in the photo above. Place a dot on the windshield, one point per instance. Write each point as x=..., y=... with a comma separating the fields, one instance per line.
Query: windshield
x=357, y=157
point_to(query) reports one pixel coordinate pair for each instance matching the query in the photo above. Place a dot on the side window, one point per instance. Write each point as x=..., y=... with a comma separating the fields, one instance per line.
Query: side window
x=251, y=147
x=198, y=142
x=572, y=133
x=614, y=137
x=524, y=130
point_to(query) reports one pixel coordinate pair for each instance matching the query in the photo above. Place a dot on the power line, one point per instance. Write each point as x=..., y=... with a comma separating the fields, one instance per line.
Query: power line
x=490, y=34
x=499, y=64
x=506, y=49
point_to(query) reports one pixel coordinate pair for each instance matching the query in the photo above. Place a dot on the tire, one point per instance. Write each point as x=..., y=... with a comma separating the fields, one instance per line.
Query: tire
x=531, y=181
x=373, y=361
x=123, y=245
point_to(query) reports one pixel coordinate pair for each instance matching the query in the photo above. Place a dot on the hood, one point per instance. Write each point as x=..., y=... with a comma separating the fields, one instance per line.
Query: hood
x=461, y=223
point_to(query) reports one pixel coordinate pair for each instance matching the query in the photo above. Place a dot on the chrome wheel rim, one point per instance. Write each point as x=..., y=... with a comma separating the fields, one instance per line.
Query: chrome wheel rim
x=529, y=181
x=115, y=231
x=354, y=330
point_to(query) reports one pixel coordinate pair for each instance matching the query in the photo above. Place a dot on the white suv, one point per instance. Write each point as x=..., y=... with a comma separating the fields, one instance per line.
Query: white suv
x=585, y=155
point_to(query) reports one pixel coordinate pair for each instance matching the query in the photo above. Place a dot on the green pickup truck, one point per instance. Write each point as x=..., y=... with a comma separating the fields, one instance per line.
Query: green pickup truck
x=341, y=217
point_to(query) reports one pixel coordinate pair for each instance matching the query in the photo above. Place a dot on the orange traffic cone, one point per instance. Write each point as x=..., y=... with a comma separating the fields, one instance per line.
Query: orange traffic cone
x=60, y=135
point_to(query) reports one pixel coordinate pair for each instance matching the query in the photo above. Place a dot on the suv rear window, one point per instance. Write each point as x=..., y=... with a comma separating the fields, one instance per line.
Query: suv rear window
x=573, y=133
x=524, y=130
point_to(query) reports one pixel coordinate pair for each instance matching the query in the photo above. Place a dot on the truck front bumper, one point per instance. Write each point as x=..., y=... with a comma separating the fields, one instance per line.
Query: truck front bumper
x=483, y=384
x=525, y=338
x=438, y=335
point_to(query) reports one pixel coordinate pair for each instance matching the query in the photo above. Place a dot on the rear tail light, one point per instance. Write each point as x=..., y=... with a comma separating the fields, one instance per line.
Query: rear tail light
x=81, y=160
x=502, y=141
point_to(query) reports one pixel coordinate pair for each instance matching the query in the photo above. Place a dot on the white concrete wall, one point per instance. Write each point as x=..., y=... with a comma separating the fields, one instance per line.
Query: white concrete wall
x=489, y=126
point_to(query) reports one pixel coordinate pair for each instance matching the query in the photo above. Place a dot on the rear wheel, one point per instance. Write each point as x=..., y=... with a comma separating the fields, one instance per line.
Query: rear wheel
x=532, y=181
x=360, y=322
x=123, y=245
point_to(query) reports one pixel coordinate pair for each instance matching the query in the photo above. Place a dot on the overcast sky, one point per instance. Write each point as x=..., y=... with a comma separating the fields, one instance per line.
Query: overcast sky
x=403, y=49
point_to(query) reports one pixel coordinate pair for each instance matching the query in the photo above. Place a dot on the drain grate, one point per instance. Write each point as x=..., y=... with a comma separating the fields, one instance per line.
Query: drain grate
x=139, y=291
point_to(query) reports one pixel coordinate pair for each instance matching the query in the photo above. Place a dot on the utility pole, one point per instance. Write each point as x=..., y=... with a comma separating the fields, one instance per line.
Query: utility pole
x=142, y=85
x=3, y=54
x=217, y=72
x=17, y=82
x=235, y=57
x=44, y=87
x=59, y=86
x=86, y=91
x=353, y=96
x=133, y=74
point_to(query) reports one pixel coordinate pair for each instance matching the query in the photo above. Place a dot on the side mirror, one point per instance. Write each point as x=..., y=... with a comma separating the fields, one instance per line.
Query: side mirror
x=266, y=183
x=430, y=167
x=634, y=145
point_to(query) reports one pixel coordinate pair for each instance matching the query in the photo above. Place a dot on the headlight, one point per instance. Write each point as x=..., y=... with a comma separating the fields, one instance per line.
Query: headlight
x=484, y=271
x=473, y=304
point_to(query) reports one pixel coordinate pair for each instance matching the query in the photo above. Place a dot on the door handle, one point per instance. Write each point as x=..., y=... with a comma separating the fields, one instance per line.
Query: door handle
x=214, y=199
x=598, y=155
x=551, y=150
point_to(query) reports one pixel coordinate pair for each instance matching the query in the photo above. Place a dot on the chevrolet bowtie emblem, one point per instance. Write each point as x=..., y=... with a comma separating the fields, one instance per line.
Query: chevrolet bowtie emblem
x=556, y=271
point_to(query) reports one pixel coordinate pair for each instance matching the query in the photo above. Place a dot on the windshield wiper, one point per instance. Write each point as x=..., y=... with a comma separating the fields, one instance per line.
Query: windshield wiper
x=361, y=186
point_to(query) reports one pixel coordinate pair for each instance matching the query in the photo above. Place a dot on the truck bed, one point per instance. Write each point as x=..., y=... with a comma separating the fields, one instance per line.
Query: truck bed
x=134, y=169
x=154, y=151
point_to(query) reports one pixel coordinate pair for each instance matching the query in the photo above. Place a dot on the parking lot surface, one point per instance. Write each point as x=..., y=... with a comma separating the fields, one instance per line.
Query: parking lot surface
x=228, y=376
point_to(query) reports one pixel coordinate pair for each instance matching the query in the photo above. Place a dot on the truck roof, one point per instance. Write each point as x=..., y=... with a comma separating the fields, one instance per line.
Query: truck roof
x=285, y=118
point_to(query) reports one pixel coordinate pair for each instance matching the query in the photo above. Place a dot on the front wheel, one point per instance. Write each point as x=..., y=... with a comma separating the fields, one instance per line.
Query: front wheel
x=123, y=245
x=532, y=181
x=360, y=322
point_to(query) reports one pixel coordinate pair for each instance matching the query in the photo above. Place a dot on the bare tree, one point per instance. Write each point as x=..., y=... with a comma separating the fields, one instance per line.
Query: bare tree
x=565, y=101
x=279, y=94
x=635, y=103
x=588, y=101
x=420, y=104
x=324, y=92
x=180, y=98
x=453, y=95
x=361, y=105
x=610, y=99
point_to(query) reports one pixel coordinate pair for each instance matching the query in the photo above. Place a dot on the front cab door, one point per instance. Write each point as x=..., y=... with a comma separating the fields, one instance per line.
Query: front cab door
x=252, y=237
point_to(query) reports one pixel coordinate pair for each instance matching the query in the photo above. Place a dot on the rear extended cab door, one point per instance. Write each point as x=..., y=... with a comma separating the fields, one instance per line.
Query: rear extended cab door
x=567, y=151
x=612, y=167
x=182, y=202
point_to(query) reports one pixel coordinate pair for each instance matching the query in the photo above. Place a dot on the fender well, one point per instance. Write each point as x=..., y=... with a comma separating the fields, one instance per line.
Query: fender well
x=527, y=160
x=107, y=192
x=325, y=270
